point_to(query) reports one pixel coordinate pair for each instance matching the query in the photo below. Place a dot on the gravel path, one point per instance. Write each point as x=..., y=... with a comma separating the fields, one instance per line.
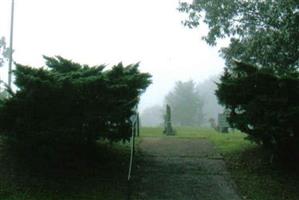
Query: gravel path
x=180, y=169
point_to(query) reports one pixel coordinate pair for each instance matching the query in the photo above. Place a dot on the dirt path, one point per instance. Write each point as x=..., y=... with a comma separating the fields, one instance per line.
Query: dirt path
x=180, y=169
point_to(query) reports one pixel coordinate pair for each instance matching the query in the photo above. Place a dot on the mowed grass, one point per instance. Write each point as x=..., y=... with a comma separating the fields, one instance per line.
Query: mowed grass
x=225, y=143
x=98, y=174
x=255, y=175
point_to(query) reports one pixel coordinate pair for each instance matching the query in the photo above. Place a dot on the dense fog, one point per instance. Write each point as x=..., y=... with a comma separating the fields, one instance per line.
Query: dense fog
x=153, y=116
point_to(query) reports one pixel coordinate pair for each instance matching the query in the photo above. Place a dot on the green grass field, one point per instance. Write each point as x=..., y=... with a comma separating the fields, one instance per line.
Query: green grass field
x=226, y=143
x=250, y=167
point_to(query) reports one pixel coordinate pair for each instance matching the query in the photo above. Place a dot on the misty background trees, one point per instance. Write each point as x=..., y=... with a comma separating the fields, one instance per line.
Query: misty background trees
x=4, y=56
x=192, y=104
x=4, y=51
x=186, y=104
x=211, y=107
x=152, y=116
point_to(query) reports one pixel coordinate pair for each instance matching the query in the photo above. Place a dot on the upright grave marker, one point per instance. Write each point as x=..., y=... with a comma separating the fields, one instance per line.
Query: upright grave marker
x=222, y=121
x=168, y=130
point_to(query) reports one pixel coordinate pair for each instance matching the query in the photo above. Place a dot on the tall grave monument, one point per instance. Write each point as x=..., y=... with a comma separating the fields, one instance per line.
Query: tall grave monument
x=168, y=130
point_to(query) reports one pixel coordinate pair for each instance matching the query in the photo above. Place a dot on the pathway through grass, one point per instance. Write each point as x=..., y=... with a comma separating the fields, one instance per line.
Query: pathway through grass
x=173, y=168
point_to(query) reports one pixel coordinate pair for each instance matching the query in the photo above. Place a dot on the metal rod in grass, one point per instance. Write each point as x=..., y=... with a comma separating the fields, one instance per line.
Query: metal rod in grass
x=133, y=119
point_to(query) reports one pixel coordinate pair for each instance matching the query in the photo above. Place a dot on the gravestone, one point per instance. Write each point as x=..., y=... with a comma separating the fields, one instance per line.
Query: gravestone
x=168, y=130
x=222, y=121
x=213, y=124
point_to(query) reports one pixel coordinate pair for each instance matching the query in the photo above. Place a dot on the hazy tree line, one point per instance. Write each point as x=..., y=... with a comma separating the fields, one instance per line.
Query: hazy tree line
x=4, y=56
x=192, y=104
x=4, y=51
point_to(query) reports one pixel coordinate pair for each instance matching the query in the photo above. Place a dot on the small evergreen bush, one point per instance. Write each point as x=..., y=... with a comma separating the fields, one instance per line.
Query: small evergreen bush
x=68, y=104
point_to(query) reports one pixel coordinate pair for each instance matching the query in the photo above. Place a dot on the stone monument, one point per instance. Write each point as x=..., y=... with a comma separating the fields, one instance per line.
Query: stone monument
x=223, y=124
x=168, y=130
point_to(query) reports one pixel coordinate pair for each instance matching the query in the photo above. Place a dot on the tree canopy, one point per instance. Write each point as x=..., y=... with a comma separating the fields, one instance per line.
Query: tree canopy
x=66, y=102
x=263, y=33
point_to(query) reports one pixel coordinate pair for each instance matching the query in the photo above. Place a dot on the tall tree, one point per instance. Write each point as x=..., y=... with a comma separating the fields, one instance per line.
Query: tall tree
x=186, y=104
x=261, y=82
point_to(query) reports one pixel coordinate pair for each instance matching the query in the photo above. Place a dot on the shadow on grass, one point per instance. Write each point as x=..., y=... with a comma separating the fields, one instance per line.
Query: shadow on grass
x=260, y=177
x=94, y=172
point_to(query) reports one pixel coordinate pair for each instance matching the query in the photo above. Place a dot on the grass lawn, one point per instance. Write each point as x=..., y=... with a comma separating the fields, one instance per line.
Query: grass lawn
x=250, y=167
x=99, y=175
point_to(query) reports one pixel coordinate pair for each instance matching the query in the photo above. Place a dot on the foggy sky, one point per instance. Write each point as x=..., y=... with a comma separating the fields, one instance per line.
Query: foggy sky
x=107, y=32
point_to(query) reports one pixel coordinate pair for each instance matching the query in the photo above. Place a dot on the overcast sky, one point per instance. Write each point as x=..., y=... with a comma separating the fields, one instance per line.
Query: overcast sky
x=109, y=31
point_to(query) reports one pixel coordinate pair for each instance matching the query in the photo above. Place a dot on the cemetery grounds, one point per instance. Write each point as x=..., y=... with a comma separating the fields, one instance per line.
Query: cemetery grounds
x=241, y=169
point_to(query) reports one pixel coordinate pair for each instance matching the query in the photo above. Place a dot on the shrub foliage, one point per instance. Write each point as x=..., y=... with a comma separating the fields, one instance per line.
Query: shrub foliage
x=263, y=104
x=70, y=103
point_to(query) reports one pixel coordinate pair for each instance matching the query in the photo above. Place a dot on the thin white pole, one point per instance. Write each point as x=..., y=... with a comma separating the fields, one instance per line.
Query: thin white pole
x=132, y=153
x=133, y=119
x=11, y=43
